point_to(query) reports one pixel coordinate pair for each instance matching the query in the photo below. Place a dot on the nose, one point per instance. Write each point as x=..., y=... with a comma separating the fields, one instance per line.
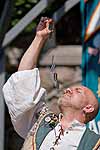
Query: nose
x=68, y=90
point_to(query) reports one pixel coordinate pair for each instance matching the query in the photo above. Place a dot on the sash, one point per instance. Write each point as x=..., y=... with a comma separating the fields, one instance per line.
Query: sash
x=89, y=141
x=46, y=122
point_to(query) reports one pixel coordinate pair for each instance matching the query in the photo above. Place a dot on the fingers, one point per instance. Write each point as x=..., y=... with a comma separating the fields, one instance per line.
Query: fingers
x=42, y=24
x=45, y=22
x=43, y=19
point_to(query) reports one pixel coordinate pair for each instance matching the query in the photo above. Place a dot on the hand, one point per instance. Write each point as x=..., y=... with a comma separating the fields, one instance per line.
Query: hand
x=43, y=29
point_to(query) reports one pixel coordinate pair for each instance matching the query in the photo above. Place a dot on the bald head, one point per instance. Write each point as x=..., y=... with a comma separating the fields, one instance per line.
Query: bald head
x=82, y=100
x=91, y=104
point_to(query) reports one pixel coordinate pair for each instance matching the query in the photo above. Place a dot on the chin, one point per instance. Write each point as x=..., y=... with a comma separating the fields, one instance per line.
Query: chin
x=59, y=103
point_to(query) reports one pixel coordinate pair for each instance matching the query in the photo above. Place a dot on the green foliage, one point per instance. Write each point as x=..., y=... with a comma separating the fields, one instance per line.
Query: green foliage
x=30, y=27
x=22, y=7
x=19, y=2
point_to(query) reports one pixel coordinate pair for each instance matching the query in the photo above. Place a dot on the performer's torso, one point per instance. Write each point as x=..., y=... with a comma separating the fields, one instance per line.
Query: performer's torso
x=47, y=135
x=68, y=141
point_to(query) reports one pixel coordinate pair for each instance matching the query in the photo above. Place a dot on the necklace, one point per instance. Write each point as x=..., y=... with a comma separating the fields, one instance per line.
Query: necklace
x=57, y=138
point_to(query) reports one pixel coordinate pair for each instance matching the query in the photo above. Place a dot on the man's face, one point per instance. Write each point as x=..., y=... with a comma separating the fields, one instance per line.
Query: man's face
x=74, y=97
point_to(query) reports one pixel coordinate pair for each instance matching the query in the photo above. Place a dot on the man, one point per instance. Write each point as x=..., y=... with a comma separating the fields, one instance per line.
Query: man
x=25, y=99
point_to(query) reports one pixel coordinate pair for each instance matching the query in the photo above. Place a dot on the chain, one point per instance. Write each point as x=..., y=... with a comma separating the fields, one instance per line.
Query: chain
x=54, y=74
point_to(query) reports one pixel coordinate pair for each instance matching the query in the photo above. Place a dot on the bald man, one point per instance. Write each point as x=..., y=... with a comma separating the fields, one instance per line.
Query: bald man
x=30, y=116
x=80, y=103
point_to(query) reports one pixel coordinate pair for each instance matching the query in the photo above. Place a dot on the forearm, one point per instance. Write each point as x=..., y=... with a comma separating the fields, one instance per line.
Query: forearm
x=29, y=59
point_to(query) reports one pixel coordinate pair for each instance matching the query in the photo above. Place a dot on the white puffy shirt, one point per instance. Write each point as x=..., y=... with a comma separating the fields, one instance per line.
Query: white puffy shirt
x=24, y=96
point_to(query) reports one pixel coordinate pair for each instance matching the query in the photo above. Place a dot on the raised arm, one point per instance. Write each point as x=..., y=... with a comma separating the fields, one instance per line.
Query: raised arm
x=29, y=59
x=23, y=93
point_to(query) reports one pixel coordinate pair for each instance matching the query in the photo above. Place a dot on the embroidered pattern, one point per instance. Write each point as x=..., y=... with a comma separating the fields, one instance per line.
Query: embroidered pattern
x=98, y=92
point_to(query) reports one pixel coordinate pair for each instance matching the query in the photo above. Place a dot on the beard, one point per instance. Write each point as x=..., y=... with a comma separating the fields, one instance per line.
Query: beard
x=60, y=104
x=64, y=103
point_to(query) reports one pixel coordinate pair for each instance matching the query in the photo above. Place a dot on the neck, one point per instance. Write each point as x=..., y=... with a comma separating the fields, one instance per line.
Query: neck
x=69, y=117
x=66, y=120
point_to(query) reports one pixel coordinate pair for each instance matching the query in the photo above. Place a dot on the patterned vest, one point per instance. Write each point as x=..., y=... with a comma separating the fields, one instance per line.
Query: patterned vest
x=46, y=123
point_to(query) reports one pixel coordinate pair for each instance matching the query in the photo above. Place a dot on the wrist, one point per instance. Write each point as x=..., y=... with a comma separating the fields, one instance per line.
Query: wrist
x=41, y=37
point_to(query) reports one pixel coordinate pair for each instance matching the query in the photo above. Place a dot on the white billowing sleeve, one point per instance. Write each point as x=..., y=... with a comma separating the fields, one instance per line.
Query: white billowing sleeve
x=24, y=97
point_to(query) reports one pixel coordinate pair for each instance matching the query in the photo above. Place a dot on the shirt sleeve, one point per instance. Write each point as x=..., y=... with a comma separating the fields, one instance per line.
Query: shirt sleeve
x=24, y=96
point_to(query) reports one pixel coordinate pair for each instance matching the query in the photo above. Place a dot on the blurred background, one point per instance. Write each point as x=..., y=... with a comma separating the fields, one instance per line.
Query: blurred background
x=61, y=54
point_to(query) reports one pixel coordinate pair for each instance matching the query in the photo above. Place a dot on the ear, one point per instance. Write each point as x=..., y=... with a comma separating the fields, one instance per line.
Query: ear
x=88, y=109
